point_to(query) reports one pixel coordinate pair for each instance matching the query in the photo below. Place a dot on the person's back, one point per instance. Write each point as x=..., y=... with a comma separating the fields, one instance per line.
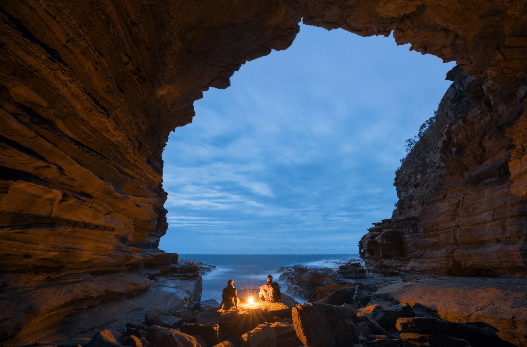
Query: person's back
x=276, y=291
x=229, y=296
x=270, y=291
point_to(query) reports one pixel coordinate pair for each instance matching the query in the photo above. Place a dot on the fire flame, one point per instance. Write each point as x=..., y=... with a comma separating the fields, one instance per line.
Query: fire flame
x=250, y=300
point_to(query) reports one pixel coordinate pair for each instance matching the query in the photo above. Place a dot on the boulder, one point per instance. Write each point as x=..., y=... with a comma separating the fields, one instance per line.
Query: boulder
x=210, y=303
x=210, y=333
x=423, y=325
x=82, y=342
x=132, y=341
x=387, y=318
x=340, y=297
x=325, y=291
x=367, y=326
x=104, y=339
x=477, y=334
x=184, y=314
x=383, y=341
x=261, y=336
x=164, y=337
x=137, y=329
x=351, y=270
x=303, y=282
x=322, y=325
x=417, y=339
x=225, y=343
x=161, y=317
x=283, y=330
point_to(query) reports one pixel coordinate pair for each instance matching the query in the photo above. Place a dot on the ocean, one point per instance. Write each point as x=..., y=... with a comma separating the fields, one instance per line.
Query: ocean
x=251, y=271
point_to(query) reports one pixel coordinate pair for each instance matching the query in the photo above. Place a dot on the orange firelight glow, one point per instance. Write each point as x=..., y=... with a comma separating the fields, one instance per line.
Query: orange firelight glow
x=250, y=301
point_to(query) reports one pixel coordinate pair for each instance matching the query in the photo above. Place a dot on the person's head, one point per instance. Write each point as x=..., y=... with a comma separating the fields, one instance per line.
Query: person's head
x=231, y=283
x=269, y=278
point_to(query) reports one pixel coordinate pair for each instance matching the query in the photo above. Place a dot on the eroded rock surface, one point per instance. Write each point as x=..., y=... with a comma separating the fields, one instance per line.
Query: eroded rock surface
x=456, y=213
x=90, y=91
x=499, y=303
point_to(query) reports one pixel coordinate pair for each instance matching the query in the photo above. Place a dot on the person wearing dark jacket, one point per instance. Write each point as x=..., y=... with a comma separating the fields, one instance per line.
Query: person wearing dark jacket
x=270, y=291
x=229, y=296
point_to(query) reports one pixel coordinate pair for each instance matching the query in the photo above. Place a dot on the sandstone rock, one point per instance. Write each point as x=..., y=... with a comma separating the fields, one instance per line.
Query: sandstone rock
x=387, y=318
x=351, y=270
x=83, y=342
x=210, y=303
x=423, y=325
x=161, y=317
x=366, y=325
x=90, y=93
x=283, y=330
x=478, y=334
x=225, y=343
x=103, y=339
x=184, y=314
x=288, y=342
x=137, y=329
x=200, y=341
x=324, y=325
x=210, y=333
x=261, y=336
x=338, y=294
x=303, y=282
x=340, y=297
x=164, y=337
x=454, y=193
x=372, y=310
x=417, y=339
x=364, y=293
x=497, y=303
x=383, y=341
x=133, y=341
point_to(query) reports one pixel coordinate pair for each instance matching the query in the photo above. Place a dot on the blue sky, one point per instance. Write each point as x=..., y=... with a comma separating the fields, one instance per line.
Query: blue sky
x=298, y=156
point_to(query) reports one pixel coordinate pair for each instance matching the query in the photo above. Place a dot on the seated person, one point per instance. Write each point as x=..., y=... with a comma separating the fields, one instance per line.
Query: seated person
x=229, y=297
x=270, y=291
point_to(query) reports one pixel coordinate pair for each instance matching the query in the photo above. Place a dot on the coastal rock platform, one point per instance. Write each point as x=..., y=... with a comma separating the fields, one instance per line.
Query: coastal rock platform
x=499, y=302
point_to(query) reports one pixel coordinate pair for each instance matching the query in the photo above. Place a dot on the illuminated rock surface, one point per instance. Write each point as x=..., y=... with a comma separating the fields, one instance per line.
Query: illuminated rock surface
x=90, y=91
x=499, y=302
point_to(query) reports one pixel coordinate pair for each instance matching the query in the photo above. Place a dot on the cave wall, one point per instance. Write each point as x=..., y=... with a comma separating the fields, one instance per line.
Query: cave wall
x=89, y=92
x=456, y=214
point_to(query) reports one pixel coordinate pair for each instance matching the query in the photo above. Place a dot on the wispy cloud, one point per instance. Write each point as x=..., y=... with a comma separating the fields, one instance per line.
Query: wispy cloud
x=300, y=153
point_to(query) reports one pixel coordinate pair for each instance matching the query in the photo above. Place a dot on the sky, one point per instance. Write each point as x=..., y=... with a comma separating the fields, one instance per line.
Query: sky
x=299, y=155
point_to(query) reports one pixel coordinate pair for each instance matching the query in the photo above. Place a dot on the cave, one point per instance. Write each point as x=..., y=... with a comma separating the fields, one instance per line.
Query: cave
x=90, y=92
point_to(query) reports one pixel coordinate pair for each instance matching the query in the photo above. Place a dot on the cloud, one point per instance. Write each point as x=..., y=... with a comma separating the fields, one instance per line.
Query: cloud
x=301, y=150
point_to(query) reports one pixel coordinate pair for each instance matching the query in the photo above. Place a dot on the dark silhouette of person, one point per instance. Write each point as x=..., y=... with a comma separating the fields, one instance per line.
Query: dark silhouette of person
x=229, y=296
x=270, y=291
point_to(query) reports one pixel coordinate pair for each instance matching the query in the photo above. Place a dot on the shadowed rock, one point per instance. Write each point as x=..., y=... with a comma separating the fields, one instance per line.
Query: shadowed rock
x=321, y=325
x=90, y=93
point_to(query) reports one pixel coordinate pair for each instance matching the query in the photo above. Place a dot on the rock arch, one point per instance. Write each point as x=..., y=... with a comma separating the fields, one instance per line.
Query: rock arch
x=89, y=93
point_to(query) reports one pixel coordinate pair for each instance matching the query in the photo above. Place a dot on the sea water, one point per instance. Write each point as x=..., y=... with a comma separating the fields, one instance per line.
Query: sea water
x=251, y=271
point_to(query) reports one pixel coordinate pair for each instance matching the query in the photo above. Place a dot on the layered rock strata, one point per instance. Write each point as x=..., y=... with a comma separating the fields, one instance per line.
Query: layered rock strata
x=456, y=214
x=50, y=307
x=496, y=302
x=90, y=91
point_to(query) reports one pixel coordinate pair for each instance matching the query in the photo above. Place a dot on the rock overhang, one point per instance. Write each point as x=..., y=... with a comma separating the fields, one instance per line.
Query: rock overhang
x=90, y=92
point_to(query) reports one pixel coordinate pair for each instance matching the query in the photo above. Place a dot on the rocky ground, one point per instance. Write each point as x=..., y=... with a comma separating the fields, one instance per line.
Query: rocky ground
x=373, y=310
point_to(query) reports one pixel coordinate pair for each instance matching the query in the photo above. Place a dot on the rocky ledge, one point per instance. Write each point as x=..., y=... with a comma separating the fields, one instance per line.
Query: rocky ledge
x=76, y=305
x=90, y=91
x=398, y=312
x=478, y=310
x=458, y=212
